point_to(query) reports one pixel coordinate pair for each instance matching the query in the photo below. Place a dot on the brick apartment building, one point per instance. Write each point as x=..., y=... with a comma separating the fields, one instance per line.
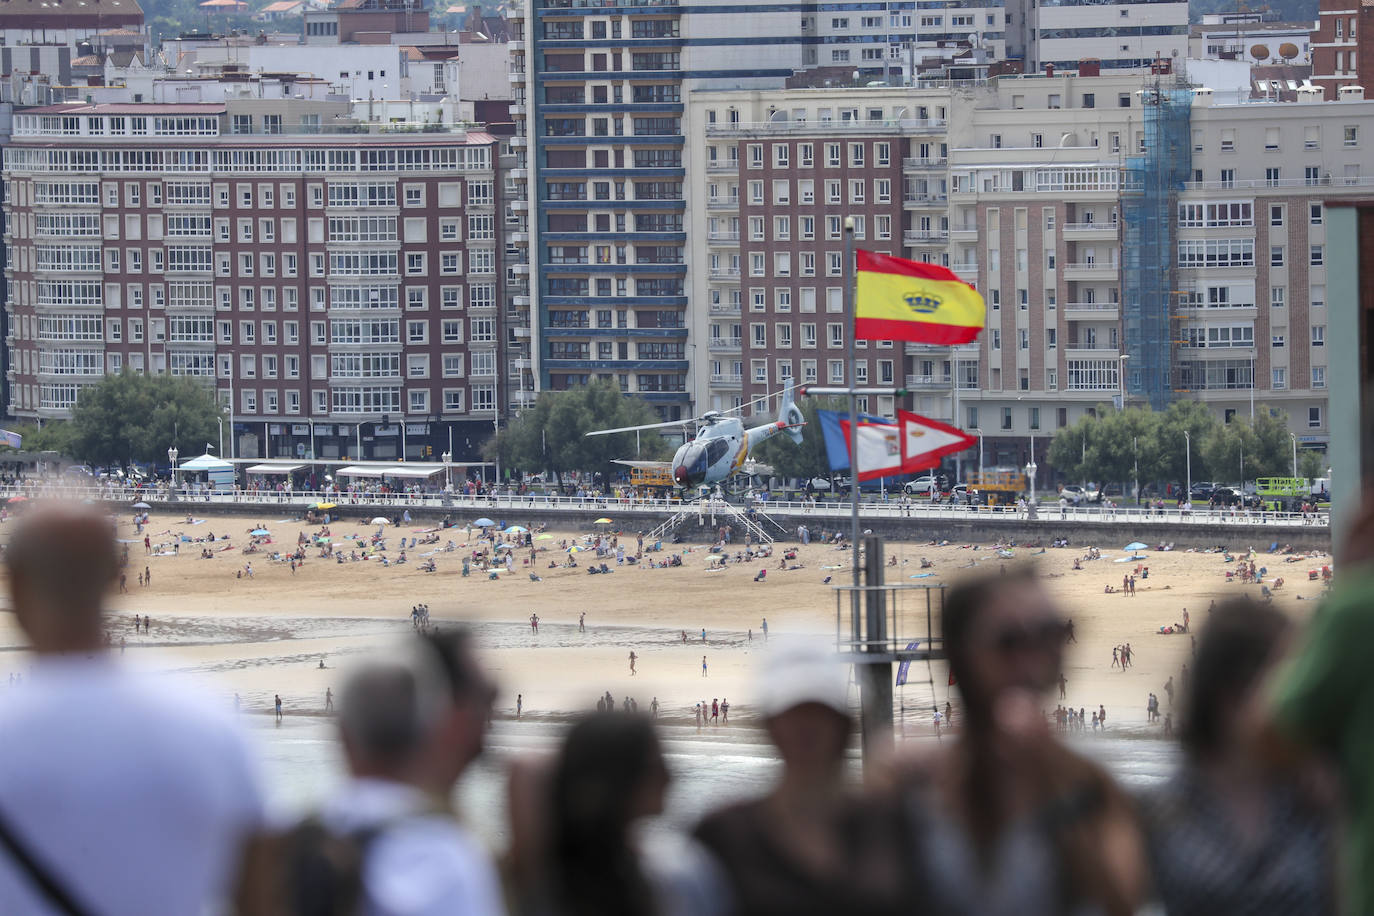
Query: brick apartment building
x=334, y=285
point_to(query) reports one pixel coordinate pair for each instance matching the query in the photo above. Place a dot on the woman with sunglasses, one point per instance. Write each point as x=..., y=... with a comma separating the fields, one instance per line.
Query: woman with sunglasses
x=1014, y=822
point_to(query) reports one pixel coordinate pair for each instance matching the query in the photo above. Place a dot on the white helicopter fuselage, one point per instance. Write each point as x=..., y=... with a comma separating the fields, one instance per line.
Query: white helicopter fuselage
x=720, y=450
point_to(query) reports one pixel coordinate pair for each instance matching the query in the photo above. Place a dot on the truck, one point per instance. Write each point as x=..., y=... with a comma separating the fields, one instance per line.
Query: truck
x=658, y=479
x=995, y=487
x=1283, y=494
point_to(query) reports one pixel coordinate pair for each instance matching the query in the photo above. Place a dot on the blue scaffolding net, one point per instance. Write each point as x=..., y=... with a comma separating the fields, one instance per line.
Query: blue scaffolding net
x=1149, y=251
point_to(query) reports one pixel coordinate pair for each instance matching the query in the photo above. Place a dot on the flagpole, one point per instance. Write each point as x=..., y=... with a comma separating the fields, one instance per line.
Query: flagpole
x=853, y=408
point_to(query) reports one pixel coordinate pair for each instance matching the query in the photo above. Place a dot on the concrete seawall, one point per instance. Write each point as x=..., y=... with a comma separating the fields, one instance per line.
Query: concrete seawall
x=982, y=528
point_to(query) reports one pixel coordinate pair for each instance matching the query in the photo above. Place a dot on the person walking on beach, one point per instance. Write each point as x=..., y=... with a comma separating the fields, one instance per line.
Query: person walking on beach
x=138, y=622
x=1169, y=690
x=329, y=699
x=147, y=576
x=1063, y=686
x=124, y=584
x=764, y=627
x=703, y=634
x=519, y=705
x=703, y=666
x=534, y=624
x=633, y=658
x=582, y=622
x=724, y=711
x=715, y=710
x=1116, y=656
x=147, y=544
x=278, y=705
x=653, y=708
x=62, y=562
x=147, y=624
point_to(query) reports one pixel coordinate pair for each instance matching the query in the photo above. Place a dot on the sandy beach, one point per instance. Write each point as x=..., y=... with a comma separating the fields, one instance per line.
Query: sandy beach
x=267, y=634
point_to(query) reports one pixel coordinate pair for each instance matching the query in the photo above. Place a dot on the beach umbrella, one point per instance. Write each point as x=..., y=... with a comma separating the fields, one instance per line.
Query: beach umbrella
x=259, y=532
x=603, y=521
x=142, y=505
x=576, y=549
x=484, y=523
x=323, y=506
x=380, y=520
x=1136, y=545
x=18, y=499
x=515, y=529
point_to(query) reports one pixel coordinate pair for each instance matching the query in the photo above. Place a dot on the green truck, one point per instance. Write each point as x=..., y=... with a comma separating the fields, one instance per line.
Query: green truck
x=1287, y=494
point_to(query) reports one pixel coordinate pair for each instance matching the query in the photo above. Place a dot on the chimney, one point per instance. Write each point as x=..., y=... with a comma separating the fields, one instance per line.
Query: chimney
x=1350, y=94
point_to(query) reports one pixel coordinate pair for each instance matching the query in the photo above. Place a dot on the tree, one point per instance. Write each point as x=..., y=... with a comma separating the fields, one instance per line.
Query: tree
x=1312, y=463
x=54, y=436
x=136, y=417
x=1115, y=446
x=809, y=459
x=1262, y=443
x=552, y=435
x=1174, y=450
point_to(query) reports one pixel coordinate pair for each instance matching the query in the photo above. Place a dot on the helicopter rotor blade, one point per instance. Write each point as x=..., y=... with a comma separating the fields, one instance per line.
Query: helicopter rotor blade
x=631, y=429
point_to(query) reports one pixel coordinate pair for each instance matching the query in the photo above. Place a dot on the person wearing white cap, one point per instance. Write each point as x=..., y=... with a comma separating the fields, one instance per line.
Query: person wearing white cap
x=803, y=848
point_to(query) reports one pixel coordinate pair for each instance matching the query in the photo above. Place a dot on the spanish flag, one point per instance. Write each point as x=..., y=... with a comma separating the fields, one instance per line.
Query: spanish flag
x=897, y=299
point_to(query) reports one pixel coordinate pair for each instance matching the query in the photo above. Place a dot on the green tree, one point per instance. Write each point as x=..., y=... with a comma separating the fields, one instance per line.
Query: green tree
x=808, y=459
x=1174, y=451
x=136, y=417
x=1110, y=447
x=552, y=435
x=1312, y=463
x=54, y=436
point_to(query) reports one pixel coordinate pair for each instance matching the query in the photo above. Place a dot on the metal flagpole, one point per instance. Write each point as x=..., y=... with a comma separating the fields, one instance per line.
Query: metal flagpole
x=853, y=408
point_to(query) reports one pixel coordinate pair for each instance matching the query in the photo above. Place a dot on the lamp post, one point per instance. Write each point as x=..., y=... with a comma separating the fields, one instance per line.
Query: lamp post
x=220, y=421
x=1030, y=474
x=1121, y=380
x=1188, y=457
x=447, y=458
x=172, y=454
x=980, y=456
x=1295, y=455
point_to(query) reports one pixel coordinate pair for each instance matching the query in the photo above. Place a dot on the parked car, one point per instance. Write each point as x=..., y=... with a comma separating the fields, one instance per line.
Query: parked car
x=1073, y=493
x=922, y=486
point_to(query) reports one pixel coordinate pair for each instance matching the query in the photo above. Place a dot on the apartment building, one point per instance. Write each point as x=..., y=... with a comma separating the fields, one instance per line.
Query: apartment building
x=1341, y=43
x=336, y=283
x=1031, y=188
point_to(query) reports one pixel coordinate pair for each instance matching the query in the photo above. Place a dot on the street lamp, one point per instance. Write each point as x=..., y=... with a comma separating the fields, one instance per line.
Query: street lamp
x=1188, y=455
x=1295, y=455
x=447, y=458
x=1121, y=380
x=172, y=454
x=1030, y=473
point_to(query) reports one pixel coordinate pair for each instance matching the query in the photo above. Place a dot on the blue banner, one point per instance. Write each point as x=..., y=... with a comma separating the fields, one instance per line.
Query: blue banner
x=836, y=448
x=905, y=665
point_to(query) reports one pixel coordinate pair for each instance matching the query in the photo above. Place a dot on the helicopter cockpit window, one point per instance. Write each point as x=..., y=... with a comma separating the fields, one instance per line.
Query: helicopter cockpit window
x=716, y=450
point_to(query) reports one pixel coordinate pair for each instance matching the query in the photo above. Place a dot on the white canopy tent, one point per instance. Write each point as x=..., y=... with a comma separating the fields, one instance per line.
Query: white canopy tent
x=274, y=468
x=403, y=471
x=206, y=462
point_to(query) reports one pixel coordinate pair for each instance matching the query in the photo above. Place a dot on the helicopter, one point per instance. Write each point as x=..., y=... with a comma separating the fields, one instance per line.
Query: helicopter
x=722, y=446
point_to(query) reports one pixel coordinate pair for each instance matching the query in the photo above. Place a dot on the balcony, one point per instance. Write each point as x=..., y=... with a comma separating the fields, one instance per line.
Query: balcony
x=1090, y=230
x=967, y=270
x=849, y=126
x=1091, y=351
x=723, y=166
x=519, y=204
x=723, y=238
x=1090, y=270
x=724, y=273
x=517, y=142
x=920, y=164
x=722, y=203
x=518, y=109
x=725, y=308
x=516, y=76
x=725, y=345
x=916, y=200
x=517, y=46
x=964, y=233
x=1091, y=311
x=518, y=238
x=727, y=380
x=929, y=382
x=520, y=302
x=925, y=236
x=519, y=174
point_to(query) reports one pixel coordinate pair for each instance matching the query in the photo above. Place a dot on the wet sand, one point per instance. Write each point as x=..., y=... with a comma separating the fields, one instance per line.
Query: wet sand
x=266, y=635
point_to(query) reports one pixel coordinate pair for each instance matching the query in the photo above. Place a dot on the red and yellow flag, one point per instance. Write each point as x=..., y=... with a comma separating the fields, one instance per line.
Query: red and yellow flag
x=897, y=299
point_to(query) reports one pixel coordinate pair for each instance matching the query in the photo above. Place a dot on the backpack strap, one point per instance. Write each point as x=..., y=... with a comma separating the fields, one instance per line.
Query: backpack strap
x=47, y=884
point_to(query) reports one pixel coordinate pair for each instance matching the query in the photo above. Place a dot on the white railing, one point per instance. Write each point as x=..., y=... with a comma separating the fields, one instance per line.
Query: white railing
x=872, y=506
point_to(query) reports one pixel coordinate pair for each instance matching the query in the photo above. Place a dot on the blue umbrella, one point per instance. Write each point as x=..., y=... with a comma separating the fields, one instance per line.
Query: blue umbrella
x=259, y=532
x=516, y=529
x=1136, y=545
x=484, y=523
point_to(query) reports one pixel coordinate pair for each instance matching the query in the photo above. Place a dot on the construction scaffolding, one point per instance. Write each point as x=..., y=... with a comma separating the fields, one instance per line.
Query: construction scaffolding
x=1149, y=200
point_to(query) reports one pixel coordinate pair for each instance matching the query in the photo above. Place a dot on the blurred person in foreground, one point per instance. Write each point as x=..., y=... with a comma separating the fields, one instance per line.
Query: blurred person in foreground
x=119, y=794
x=814, y=844
x=578, y=830
x=387, y=843
x=1013, y=822
x=1230, y=833
x=1322, y=701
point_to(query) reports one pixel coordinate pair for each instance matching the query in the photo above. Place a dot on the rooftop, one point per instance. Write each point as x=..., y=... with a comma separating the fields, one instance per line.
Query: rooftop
x=58, y=14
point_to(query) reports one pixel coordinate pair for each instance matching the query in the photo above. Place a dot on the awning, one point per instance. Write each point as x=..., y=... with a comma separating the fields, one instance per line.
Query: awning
x=274, y=468
x=389, y=470
x=206, y=462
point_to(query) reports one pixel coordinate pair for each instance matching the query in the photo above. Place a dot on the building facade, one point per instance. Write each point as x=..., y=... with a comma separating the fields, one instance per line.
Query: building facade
x=1341, y=42
x=338, y=289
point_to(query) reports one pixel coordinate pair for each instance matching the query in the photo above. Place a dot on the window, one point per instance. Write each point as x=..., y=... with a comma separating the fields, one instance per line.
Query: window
x=1314, y=214
x=1276, y=256
x=1317, y=256
x=1277, y=295
x=1318, y=335
x=1318, y=376
x=1314, y=417
x=1278, y=379
x=1351, y=133
x=1276, y=214
x=1278, y=341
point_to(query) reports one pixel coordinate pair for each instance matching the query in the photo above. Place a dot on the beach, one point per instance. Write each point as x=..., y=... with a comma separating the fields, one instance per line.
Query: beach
x=266, y=635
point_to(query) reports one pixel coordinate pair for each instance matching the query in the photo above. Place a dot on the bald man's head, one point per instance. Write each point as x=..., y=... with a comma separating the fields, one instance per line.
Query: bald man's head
x=61, y=560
